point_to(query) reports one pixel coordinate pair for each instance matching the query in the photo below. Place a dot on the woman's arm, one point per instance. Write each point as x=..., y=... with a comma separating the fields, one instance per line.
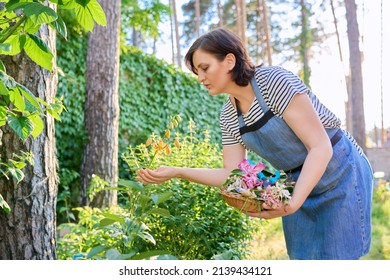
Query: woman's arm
x=232, y=156
x=303, y=120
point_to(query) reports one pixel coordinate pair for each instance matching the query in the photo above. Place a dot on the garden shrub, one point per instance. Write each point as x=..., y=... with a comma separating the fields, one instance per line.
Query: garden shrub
x=198, y=226
x=201, y=224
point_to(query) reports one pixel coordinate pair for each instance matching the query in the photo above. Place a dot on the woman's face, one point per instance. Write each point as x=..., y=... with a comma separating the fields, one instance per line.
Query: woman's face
x=212, y=73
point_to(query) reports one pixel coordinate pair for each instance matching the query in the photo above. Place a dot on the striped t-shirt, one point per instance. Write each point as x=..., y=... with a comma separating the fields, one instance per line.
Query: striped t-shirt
x=278, y=87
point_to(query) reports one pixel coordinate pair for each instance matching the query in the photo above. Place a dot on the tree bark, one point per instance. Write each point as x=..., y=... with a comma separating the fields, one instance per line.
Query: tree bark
x=357, y=100
x=101, y=107
x=177, y=36
x=263, y=12
x=28, y=232
x=197, y=17
x=305, y=43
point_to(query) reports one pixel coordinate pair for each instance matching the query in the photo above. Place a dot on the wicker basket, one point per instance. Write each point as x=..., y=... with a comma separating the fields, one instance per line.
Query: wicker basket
x=243, y=204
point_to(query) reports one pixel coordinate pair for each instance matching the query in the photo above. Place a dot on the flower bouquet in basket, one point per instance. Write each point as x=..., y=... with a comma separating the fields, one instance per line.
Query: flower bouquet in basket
x=250, y=186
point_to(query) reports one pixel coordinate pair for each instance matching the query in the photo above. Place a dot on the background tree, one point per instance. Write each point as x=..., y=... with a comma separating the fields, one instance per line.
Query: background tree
x=101, y=113
x=263, y=15
x=355, y=63
x=176, y=30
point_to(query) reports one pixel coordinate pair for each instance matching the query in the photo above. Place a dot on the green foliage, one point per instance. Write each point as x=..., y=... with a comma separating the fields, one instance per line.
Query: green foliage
x=177, y=219
x=116, y=233
x=143, y=16
x=201, y=224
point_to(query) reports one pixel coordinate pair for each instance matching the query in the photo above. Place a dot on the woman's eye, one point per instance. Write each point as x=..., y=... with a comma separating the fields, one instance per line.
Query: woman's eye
x=205, y=69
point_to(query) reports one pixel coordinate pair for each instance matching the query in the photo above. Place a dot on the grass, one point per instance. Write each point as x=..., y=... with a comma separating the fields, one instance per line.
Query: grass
x=268, y=243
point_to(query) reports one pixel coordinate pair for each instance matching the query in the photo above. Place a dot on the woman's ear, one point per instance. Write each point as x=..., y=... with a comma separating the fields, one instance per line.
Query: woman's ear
x=230, y=60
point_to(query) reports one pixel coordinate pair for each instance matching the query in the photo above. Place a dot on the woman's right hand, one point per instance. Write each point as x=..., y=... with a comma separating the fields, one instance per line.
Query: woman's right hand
x=157, y=176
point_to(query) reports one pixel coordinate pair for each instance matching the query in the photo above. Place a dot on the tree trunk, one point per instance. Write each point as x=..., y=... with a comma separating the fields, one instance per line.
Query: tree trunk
x=102, y=107
x=197, y=17
x=347, y=85
x=28, y=232
x=358, y=122
x=177, y=36
x=244, y=22
x=305, y=43
x=264, y=14
x=220, y=22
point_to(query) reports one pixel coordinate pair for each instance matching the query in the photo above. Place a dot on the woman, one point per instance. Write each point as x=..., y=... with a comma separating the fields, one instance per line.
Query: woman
x=272, y=113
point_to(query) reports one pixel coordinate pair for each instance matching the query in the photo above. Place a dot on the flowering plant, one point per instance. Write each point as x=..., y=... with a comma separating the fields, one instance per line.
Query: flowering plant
x=143, y=155
x=250, y=186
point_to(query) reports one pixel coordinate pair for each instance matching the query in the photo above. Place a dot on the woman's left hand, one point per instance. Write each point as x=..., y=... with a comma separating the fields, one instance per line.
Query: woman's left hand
x=269, y=213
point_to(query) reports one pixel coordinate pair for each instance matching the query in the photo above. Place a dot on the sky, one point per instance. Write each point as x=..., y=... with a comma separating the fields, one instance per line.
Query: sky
x=327, y=79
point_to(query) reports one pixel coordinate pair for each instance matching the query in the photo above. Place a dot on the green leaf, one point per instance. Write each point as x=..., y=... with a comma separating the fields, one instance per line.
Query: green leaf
x=161, y=212
x=114, y=217
x=6, y=48
x=113, y=254
x=2, y=67
x=38, y=51
x=147, y=236
x=96, y=250
x=131, y=184
x=30, y=26
x=17, y=99
x=60, y=26
x=159, y=198
x=38, y=125
x=3, y=115
x=30, y=97
x=97, y=12
x=12, y=45
x=16, y=173
x=106, y=222
x=84, y=17
x=18, y=164
x=21, y=125
x=53, y=113
x=149, y=254
x=4, y=205
x=3, y=89
x=38, y=13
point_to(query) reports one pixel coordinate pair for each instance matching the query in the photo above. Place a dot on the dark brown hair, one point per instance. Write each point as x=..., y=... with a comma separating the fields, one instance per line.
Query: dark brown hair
x=221, y=42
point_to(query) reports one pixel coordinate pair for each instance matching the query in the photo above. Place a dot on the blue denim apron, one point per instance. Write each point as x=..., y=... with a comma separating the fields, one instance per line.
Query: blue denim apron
x=335, y=220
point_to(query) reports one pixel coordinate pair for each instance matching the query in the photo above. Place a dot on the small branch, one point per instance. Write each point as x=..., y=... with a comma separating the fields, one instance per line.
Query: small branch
x=12, y=29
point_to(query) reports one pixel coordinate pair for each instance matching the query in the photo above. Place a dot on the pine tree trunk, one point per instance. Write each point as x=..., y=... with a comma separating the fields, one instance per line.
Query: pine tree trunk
x=264, y=13
x=102, y=107
x=358, y=122
x=177, y=36
x=305, y=44
x=28, y=232
x=197, y=17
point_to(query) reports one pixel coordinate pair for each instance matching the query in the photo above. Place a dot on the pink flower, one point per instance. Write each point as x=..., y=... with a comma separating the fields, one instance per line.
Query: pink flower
x=250, y=171
x=248, y=168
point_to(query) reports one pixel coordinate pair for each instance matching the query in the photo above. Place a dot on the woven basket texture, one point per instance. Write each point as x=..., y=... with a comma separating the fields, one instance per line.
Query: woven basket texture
x=243, y=204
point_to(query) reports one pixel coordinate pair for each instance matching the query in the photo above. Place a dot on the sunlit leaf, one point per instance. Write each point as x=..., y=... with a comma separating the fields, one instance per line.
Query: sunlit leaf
x=21, y=125
x=4, y=205
x=38, y=125
x=97, y=12
x=38, y=51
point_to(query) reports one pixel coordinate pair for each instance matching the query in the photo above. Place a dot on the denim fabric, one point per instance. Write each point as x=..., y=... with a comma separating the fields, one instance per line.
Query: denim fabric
x=335, y=220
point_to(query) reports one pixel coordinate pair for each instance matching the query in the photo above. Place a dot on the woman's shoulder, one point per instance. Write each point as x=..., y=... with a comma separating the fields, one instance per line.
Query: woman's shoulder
x=266, y=72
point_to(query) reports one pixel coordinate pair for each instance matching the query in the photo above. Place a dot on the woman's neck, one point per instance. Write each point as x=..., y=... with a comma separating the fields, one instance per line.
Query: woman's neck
x=244, y=95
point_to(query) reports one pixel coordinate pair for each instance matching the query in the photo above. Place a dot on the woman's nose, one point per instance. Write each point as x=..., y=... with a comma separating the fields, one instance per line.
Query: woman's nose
x=200, y=78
